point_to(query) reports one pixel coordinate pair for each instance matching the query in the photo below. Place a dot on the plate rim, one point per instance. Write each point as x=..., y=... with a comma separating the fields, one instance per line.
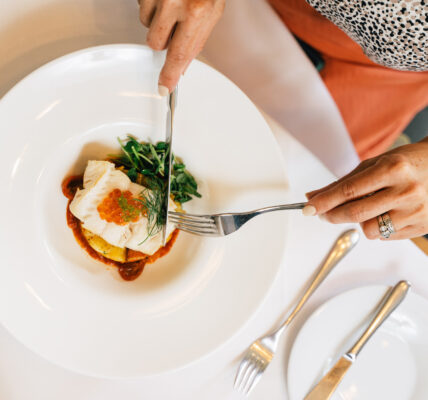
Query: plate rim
x=375, y=287
x=285, y=243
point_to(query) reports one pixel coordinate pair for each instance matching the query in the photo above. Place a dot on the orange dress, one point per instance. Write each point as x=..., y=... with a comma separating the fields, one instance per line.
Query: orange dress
x=376, y=102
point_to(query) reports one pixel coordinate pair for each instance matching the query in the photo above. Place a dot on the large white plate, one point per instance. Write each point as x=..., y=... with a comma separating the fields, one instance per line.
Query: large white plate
x=74, y=311
x=394, y=363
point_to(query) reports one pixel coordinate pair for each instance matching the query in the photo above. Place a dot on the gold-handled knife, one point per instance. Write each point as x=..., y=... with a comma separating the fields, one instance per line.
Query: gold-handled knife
x=172, y=102
x=328, y=384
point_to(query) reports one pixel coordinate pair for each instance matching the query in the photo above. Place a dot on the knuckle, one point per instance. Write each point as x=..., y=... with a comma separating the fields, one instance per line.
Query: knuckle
x=399, y=165
x=178, y=57
x=354, y=213
x=348, y=190
x=199, y=8
x=415, y=191
x=421, y=211
x=419, y=190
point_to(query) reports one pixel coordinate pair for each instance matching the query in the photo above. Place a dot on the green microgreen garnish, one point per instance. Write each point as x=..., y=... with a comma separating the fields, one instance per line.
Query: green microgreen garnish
x=146, y=163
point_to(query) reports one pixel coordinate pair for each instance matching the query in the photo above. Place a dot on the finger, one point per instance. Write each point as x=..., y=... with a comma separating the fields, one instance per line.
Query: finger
x=401, y=219
x=366, y=208
x=161, y=27
x=365, y=164
x=147, y=10
x=179, y=53
x=196, y=50
x=363, y=183
x=204, y=34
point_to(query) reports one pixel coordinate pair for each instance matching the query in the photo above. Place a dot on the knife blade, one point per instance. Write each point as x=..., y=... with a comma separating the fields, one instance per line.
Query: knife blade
x=328, y=384
x=172, y=102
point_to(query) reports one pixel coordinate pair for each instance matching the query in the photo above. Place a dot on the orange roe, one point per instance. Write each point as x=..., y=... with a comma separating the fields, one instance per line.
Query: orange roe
x=120, y=207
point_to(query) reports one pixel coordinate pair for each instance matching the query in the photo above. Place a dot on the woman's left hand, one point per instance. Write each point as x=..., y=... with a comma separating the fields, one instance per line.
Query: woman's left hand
x=395, y=183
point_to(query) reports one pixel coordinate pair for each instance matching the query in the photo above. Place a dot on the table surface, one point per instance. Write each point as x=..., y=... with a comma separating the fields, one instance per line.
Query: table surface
x=33, y=32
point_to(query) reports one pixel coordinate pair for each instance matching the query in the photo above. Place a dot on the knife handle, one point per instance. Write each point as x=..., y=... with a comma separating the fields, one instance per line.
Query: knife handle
x=389, y=304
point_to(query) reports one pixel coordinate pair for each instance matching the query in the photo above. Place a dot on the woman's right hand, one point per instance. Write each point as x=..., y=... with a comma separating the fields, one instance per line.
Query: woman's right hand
x=193, y=21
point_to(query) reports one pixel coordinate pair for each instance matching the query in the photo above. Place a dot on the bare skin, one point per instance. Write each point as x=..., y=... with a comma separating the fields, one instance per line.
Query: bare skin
x=395, y=182
x=182, y=26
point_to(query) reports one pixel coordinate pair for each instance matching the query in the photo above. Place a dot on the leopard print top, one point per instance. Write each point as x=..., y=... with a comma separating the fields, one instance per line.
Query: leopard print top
x=393, y=33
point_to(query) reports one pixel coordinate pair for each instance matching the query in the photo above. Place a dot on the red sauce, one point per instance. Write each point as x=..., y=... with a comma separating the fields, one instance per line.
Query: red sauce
x=129, y=270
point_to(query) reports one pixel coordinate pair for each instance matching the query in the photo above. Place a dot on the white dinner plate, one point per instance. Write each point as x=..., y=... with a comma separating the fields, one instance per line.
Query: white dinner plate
x=73, y=310
x=393, y=364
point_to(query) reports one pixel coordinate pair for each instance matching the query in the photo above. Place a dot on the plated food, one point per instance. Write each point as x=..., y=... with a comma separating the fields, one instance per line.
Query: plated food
x=115, y=208
x=70, y=308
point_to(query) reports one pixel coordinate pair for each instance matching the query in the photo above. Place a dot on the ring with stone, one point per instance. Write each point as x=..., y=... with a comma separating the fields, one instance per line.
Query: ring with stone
x=386, y=228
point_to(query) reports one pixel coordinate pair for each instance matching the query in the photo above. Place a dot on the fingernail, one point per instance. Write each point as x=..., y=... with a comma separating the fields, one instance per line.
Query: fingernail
x=322, y=217
x=163, y=90
x=309, y=211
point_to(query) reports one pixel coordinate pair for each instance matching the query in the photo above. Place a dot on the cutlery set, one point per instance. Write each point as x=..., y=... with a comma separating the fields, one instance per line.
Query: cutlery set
x=261, y=352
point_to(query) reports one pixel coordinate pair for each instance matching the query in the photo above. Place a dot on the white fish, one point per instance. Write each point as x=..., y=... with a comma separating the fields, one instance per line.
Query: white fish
x=100, y=179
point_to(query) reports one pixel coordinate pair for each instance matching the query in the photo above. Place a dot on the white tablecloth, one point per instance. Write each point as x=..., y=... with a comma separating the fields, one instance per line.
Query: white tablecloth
x=35, y=31
x=252, y=47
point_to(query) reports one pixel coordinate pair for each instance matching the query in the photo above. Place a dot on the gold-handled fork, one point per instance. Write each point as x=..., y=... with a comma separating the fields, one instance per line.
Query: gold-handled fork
x=261, y=352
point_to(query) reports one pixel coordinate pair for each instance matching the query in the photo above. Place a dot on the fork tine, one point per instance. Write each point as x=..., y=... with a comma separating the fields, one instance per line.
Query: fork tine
x=192, y=224
x=197, y=231
x=196, y=220
x=255, y=378
x=250, y=379
x=208, y=229
x=241, y=371
x=190, y=216
x=249, y=370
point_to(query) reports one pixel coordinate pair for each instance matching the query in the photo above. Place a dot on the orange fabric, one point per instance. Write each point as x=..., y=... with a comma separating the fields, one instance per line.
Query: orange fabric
x=376, y=102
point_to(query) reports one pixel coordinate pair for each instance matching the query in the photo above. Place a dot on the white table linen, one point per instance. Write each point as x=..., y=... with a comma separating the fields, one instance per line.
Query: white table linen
x=252, y=46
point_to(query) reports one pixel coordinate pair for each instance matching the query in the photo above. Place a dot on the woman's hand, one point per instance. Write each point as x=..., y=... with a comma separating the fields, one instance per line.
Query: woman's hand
x=395, y=182
x=191, y=21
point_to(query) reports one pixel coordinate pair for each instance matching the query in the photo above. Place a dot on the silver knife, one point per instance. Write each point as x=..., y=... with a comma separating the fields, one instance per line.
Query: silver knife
x=328, y=384
x=172, y=102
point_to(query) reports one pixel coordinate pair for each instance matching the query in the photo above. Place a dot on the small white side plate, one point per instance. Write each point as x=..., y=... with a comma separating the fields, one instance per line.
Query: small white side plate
x=394, y=363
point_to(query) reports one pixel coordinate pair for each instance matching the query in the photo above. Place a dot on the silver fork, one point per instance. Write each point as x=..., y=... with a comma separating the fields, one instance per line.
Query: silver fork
x=261, y=352
x=221, y=224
